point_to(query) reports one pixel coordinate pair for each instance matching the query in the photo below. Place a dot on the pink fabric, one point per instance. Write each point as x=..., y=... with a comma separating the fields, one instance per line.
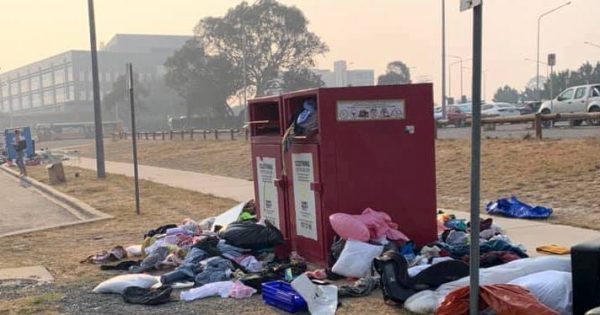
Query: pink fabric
x=349, y=227
x=370, y=224
x=240, y=291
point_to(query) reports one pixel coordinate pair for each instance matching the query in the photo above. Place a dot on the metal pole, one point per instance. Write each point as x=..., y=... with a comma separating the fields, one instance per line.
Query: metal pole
x=537, y=71
x=135, y=159
x=461, y=80
x=96, y=87
x=551, y=89
x=537, y=64
x=450, y=80
x=484, y=94
x=244, y=70
x=443, y=59
x=475, y=161
x=591, y=44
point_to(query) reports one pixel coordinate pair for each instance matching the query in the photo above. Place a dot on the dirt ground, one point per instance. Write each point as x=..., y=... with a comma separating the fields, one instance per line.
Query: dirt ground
x=61, y=249
x=561, y=174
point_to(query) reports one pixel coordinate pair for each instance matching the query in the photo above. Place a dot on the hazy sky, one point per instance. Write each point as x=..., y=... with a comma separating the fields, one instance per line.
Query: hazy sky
x=367, y=33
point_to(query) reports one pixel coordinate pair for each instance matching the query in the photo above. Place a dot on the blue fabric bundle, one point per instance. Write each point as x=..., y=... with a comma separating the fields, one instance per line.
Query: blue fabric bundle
x=516, y=209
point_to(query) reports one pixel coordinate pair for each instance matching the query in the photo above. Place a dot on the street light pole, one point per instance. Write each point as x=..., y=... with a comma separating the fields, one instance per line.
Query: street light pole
x=484, y=89
x=591, y=44
x=461, y=72
x=450, y=74
x=100, y=172
x=443, y=59
x=537, y=72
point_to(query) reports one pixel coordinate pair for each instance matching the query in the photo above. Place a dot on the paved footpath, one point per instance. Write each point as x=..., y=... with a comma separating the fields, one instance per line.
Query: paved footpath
x=527, y=232
x=220, y=186
x=22, y=208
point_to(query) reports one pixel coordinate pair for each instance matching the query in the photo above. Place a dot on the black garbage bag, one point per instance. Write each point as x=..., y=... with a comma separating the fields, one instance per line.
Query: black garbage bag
x=250, y=235
x=137, y=295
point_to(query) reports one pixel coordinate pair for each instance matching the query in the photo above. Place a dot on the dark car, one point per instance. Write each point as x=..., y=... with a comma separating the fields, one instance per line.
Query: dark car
x=529, y=107
x=456, y=116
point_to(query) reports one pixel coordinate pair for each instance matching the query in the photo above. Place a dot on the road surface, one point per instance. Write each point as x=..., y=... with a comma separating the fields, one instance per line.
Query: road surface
x=520, y=131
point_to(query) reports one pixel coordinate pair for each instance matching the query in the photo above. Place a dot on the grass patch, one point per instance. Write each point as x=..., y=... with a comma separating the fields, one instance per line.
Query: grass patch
x=61, y=249
x=561, y=174
x=46, y=303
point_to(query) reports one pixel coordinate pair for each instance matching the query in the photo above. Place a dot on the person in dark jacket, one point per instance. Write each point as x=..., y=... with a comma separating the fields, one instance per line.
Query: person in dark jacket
x=20, y=146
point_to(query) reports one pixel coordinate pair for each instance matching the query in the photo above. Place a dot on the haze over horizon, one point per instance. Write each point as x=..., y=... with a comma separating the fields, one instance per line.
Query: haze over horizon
x=367, y=35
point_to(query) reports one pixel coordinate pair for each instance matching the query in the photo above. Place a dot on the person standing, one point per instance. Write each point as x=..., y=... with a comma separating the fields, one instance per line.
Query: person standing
x=20, y=145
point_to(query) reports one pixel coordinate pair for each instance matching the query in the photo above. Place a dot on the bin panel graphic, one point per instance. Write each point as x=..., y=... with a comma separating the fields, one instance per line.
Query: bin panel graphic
x=304, y=204
x=269, y=188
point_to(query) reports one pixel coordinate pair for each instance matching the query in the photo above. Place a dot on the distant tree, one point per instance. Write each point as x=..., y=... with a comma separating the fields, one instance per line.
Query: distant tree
x=506, y=94
x=203, y=81
x=528, y=95
x=555, y=83
x=273, y=38
x=119, y=95
x=397, y=72
x=298, y=79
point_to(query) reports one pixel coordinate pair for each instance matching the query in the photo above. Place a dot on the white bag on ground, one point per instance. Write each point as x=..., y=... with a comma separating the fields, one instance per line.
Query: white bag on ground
x=119, y=283
x=553, y=288
x=356, y=259
x=134, y=251
x=220, y=288
x=321, y=299
x=426, y=303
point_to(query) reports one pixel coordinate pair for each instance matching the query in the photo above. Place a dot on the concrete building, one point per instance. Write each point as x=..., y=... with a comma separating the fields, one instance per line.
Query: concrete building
x=59, y=88
x=341, y=76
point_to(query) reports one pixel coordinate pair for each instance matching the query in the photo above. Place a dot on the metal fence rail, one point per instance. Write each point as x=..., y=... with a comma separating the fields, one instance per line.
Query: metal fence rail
x=183, y=134
x=537, y=120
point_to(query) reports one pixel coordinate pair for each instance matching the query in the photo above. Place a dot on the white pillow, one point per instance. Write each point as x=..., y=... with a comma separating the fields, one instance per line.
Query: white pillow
x=119, y=283
x=356, y=259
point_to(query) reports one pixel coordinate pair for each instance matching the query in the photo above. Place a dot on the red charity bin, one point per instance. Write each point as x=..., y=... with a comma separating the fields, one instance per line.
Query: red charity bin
x=266, y=131
x=374, y=148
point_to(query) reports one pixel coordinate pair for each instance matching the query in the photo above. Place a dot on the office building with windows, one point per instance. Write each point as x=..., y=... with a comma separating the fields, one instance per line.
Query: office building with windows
x=341, y=76
x=59, y=88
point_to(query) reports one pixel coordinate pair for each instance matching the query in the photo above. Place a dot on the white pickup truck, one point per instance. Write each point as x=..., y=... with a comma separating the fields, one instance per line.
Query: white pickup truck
x=576, y=99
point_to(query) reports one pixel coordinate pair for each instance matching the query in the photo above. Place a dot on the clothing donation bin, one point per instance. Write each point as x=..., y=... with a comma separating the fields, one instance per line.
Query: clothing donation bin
x=266, y=132
x=368, y=147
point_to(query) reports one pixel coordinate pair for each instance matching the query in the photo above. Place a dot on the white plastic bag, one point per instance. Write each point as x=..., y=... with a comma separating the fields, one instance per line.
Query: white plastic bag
x=553, y=288
x=119, y=283
x=418, y=303
x=356, y=259
x=321, y=299
x=134, y=251
x=220, y=288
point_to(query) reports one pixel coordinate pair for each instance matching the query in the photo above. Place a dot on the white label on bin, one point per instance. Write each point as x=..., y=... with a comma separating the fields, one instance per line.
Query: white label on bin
x=304, y=196
x=370, y=110
x=267, y=191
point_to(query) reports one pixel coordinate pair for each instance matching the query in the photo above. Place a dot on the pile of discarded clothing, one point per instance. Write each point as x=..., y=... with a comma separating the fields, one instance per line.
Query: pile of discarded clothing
x=230, y=256
x=435, y=278
x=235, y=256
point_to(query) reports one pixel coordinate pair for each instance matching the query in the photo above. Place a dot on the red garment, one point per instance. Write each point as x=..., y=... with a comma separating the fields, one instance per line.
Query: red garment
x=504, y=299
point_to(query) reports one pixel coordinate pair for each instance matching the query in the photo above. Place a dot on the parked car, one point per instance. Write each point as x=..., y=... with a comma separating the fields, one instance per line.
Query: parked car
x=576, y=99
x=456, y=116
x=499, y=109
x=466, y=108
x=437, y=113
x=529, y=107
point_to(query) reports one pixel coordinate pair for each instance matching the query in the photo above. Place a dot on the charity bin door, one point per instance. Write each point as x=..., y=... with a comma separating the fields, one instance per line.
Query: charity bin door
x=304, y=192
x=269, y=187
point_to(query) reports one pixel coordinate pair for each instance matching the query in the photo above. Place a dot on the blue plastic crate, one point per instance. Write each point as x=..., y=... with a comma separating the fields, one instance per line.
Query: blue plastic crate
x=281, y=295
